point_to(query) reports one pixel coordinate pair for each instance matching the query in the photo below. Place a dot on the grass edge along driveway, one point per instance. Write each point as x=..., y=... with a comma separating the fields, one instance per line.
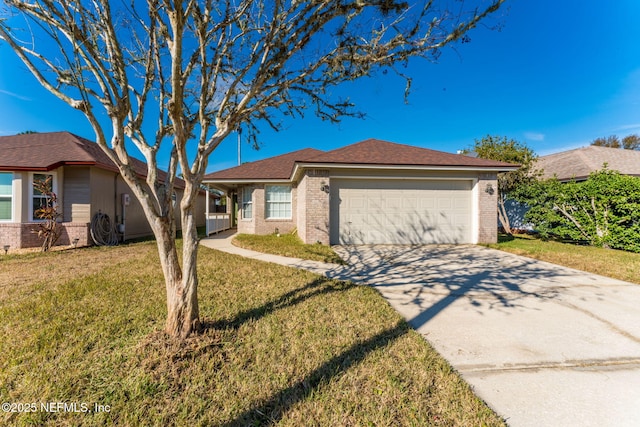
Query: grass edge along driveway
x=612, y=263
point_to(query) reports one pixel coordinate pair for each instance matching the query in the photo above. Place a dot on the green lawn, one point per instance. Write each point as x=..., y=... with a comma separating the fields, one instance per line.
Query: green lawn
x=280, y=347
x=287, y=245
x=606, y=262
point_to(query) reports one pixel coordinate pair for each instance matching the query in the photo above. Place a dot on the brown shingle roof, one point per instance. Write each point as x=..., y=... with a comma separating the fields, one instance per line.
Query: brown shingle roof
x=47, y=151
x=369, y=152
x=377, y=152
x=579, y=163
x=278, y=167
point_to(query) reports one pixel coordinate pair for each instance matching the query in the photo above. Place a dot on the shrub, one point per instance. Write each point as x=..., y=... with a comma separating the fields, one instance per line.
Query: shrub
x=603, y=211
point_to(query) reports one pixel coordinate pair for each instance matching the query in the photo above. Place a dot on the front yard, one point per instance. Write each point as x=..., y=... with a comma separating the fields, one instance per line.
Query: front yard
x=281, y=347
x=605, y=262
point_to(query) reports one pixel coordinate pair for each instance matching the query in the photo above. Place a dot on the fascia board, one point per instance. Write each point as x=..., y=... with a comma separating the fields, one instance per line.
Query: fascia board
x=300, y=166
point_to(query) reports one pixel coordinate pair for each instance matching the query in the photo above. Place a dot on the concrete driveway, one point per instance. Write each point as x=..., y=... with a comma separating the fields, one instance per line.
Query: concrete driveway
x=543, y=345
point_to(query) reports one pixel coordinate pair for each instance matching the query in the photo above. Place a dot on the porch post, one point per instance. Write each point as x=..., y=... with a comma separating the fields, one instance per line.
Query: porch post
x=230, y=209
x=206, y=212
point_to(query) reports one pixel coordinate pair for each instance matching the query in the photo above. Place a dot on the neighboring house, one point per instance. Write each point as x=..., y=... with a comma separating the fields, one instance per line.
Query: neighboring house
x=579, y=163
x=371, y=192
x=85, y=181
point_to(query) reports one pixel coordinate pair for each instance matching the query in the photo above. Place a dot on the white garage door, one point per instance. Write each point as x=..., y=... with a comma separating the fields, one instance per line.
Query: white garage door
x=400, y=211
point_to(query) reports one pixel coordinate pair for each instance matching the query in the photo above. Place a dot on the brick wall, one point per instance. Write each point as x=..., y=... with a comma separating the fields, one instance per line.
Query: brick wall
x=268, y=226
x=10, y=234
x=75, y=230
x=258, y=224
x=29, y=236
x=301, y=212
x=314, y=207
x=26, y=235
x=487, y=209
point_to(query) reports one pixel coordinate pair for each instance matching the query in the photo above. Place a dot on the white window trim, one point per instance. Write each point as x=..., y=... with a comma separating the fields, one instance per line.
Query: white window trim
x=13, y=199
x=246, y=190
x=54, y=188
x=266, y=202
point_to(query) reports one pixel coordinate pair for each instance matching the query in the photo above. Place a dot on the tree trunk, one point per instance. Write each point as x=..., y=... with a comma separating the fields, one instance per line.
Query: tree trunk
x=504, y=218
x=181, y=284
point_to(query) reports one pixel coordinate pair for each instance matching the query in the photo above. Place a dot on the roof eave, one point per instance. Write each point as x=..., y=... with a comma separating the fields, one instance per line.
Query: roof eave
x=24, y=169
x=299, y=166
x=45, y=168
x=227, y=184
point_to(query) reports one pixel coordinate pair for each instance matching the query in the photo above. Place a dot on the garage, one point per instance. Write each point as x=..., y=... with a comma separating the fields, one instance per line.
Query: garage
x=372, y=192
x=401, y=211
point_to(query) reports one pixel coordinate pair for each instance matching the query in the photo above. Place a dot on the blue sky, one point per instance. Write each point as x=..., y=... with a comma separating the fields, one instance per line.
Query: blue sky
x=558, y=75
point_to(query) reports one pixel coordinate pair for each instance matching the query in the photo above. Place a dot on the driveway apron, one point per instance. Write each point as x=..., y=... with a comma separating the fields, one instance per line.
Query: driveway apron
x=543, y=345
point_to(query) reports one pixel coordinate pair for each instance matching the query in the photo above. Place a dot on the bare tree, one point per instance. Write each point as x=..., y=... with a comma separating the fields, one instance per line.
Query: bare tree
x=186, y=74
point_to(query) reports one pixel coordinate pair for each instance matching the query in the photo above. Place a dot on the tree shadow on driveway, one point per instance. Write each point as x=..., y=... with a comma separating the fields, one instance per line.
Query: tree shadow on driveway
x=430, y=278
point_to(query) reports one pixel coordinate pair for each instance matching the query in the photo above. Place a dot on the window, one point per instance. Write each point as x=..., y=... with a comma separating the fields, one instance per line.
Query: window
x=247, y=203
x=38, y=199
x=6, y=196
x=278, y=199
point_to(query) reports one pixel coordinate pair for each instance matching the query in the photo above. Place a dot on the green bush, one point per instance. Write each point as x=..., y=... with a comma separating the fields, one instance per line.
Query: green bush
x=602, y=211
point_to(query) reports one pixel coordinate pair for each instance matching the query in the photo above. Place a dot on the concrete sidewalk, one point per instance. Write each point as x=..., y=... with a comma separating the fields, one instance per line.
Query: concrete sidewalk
x=222, y=242
x=542, y=344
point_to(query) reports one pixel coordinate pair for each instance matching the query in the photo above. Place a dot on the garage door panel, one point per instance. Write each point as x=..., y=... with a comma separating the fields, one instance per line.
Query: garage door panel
x=444, y=203
x=375, y=204
x=461, y=203
x=460, y=220
x=402, y=212
x=408, y=203
x=426, y=204
x=357, y=219
x=394, y=200
x=356, y=202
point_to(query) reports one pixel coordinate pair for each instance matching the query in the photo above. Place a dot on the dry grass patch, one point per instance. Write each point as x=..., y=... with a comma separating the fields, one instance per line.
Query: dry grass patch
x=22, y=275
x=279, y=347
x=605, y=262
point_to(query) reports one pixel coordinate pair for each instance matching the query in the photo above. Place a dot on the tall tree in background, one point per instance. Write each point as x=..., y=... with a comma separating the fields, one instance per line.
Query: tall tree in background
x=510, y=151
x=185, y=74
x=629, y=142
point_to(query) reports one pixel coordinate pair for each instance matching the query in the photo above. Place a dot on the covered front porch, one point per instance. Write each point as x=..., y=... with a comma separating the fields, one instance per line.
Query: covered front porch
x=220, y=216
